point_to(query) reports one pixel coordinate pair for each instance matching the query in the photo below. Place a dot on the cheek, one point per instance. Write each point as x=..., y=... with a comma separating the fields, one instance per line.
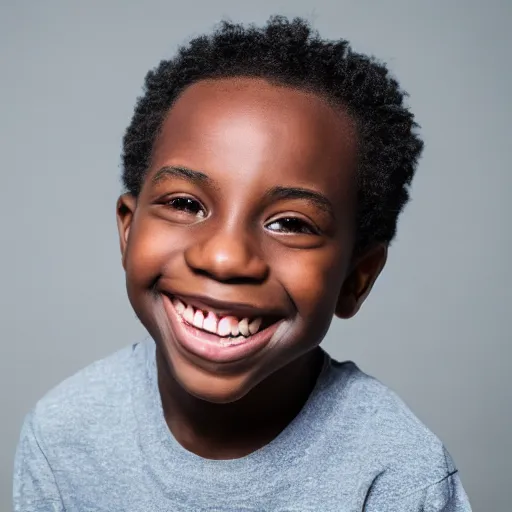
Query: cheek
x=313, y=279
x=150, y=248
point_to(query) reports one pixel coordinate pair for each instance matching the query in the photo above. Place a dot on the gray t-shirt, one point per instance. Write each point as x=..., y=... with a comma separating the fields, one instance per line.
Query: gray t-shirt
x=99, y=442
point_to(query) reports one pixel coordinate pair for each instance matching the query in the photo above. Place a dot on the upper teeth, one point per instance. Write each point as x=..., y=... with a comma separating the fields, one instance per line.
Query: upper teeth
x=224, y=326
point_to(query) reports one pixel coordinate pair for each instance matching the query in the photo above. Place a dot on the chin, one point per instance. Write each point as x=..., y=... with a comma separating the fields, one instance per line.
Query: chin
x=215, y=388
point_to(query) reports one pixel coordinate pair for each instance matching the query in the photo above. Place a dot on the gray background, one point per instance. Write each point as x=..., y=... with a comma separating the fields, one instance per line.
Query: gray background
x=436, y=328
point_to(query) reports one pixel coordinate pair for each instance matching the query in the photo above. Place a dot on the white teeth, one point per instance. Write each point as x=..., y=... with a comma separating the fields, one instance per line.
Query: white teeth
x=210, y=323
x=198, y=319
x=188, y=314
x=224, y=326
x=179, y=306
x=243, y=327
x=255, y=325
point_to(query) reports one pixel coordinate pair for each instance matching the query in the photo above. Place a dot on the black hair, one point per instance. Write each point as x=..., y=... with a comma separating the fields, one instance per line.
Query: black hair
x=292, y=54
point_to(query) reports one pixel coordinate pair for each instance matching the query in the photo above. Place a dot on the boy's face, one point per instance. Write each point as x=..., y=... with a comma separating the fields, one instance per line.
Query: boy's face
x=246, y=217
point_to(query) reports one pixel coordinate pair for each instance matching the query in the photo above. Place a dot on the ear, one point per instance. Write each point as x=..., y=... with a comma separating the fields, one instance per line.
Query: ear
x=360, y=280
x=125, y=210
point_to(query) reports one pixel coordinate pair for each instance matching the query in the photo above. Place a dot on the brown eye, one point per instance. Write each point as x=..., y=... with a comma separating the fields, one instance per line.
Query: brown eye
x=291, y=225
x=187, y=205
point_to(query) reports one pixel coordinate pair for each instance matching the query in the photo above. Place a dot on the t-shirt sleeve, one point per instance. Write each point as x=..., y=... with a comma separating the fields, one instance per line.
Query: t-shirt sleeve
x=34, y=485
x=447, y=495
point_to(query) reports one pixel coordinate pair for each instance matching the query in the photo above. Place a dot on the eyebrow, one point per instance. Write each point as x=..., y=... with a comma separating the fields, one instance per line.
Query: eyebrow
x=178, y=171
x=316, y=198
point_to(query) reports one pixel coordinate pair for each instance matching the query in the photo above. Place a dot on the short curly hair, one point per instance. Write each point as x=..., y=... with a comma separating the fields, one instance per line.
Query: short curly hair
x=291, y=53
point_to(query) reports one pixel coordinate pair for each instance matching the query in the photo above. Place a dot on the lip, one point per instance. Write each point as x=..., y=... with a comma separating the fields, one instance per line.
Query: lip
x=206, y=346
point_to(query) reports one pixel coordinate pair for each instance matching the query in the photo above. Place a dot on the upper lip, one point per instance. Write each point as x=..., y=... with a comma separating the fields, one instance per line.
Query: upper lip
x=225, y=308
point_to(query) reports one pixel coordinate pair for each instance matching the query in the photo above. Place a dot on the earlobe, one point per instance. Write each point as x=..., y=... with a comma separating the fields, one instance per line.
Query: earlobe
x=360, y=281
x=125, y=210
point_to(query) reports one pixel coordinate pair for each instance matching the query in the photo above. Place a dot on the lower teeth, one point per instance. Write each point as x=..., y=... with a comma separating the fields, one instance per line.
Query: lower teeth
x=232, y=340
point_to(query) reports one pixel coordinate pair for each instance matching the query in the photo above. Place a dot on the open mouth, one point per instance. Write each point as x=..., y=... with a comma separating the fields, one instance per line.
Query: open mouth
x=219, y=331
x=230, y=329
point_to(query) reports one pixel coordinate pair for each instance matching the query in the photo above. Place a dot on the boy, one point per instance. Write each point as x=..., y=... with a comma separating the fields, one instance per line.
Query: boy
x=265, y=170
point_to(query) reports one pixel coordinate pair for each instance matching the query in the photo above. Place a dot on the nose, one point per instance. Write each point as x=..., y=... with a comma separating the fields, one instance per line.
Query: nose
x=227, y=256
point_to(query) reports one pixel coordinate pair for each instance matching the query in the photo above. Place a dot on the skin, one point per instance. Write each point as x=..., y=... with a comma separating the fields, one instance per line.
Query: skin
x=225, y=237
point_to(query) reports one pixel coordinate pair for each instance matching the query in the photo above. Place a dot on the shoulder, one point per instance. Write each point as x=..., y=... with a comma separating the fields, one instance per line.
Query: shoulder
x=84, y=402
x=392, y=440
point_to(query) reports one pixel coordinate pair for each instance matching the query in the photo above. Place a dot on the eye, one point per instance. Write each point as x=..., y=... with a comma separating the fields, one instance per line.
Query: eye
x=292, y=225
x=187, y=205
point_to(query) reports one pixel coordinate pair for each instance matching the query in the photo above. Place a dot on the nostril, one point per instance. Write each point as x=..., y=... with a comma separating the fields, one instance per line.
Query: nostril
x=227, y=259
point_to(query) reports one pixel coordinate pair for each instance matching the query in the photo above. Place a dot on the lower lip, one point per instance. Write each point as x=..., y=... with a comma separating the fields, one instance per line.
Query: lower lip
x=208, y=346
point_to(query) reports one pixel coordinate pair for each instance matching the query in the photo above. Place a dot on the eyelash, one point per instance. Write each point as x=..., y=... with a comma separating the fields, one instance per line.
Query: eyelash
x=172, y=203
x=301, y=226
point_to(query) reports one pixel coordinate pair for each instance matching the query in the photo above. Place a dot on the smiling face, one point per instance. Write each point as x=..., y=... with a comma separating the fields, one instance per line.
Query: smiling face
x=239, y=248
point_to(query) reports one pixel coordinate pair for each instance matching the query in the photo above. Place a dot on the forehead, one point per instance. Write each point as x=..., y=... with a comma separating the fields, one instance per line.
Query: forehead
x=259, y=133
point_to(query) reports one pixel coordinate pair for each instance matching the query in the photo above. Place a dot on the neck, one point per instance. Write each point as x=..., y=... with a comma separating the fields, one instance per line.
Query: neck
x=234, y=430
